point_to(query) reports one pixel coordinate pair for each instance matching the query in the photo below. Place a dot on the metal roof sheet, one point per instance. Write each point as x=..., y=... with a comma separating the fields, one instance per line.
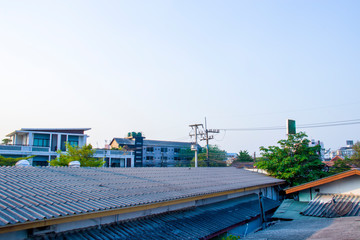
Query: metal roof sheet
x=333, y=205
x=192, y=223
x=290, y=209
x=37, y=193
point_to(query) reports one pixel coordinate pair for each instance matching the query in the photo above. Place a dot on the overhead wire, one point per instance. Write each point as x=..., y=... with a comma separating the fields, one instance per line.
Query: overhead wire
x=310, y=125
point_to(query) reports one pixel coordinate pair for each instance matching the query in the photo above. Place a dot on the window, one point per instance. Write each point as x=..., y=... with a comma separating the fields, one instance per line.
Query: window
x=164, y=158
x=73, y=140
x=164, y=149
x=150, y=149
x=176, y=158
x=149, y=158
x=177, y=150
x=41, y=140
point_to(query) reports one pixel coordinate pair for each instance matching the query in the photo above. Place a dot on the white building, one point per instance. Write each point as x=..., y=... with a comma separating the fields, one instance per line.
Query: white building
x=44, y=143
x=343, y=152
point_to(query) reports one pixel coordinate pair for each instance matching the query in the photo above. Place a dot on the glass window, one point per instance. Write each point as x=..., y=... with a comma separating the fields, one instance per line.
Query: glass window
x=41, y=140
x=73, y=140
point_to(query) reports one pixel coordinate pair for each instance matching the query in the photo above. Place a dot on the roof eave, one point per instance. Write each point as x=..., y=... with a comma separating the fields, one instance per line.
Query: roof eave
x=322, y=181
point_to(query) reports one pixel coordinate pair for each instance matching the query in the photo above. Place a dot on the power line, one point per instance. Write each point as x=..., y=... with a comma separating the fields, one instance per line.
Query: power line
x=311, y=125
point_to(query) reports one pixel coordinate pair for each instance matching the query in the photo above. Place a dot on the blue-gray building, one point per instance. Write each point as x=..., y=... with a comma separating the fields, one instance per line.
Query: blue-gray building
x=155, y=153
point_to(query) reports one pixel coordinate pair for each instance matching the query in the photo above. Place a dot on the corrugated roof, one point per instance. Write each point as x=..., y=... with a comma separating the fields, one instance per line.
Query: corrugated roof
x=290, y=209
x=192, y=223
x=333, y=205
x=33, y=193
x=323, y=181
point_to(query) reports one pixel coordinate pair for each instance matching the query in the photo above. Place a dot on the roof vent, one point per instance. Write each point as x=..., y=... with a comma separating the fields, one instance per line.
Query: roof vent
x=74, y=164
x=22, y=163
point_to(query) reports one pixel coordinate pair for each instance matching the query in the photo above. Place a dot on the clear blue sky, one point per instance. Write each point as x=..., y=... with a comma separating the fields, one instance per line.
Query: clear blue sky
x=158, y=66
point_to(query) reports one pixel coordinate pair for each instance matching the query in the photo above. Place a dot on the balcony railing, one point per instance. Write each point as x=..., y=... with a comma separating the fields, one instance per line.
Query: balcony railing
x=23, y=148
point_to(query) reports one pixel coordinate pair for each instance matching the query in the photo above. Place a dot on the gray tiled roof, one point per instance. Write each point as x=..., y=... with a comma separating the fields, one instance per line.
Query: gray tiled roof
x=32, y=193
x=193, y=223
x=122, y=141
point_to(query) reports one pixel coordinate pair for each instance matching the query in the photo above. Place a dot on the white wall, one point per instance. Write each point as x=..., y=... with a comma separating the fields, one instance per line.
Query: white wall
x=349, y=185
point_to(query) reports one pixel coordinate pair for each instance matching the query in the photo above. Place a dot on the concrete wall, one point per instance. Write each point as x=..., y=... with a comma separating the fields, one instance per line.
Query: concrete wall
x=349, y=185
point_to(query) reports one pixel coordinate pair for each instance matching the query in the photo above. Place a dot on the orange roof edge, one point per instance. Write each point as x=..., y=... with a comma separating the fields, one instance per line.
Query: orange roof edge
x=323, y=181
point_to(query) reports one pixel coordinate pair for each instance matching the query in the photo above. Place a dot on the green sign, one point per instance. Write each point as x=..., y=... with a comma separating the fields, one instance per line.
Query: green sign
x=291, y=128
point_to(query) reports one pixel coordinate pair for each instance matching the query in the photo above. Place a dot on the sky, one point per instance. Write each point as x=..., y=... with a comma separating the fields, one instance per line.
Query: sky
x=158, y=66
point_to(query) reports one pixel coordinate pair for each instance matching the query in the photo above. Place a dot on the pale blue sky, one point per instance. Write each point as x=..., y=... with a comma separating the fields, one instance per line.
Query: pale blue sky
x=158, y=66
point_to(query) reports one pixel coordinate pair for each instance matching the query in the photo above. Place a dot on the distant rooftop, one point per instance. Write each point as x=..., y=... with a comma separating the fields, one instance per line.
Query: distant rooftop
x=59, y=130
x=126, y=141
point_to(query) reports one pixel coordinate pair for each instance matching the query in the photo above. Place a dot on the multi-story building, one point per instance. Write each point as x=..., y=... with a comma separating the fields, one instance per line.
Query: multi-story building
x=44, y=143
x=155, y=153
x=343, y=152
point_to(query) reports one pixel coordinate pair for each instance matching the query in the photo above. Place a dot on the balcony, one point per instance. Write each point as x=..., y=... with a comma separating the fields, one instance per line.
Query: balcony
x=23, y=148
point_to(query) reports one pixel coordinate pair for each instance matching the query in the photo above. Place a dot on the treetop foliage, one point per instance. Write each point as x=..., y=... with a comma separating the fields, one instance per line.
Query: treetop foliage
x=84, y=155
x=6, y=141
x=5, y=161
x=217, y=157
x=355, y=158
x=293, y=160
x=244, y=156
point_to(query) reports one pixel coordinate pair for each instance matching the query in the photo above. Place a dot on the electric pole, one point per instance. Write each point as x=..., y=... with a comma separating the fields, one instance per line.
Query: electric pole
x=194, y=147
x=205, y=136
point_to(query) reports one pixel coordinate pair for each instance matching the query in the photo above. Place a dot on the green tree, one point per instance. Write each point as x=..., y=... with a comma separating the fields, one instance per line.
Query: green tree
x=294, y=160
x=217, y=157
x=340, y=165
x=6, y=141
x=8, y=161
x=243, y=156
x=84, y=155
x=184, y=157
x=355, y=158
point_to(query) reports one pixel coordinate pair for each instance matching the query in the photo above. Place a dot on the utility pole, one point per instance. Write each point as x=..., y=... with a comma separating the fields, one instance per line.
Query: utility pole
x=205, y=136
x=194, y=147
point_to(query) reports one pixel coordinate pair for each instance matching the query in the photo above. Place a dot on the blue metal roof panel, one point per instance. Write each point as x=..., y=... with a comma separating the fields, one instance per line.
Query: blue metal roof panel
x=186, y=224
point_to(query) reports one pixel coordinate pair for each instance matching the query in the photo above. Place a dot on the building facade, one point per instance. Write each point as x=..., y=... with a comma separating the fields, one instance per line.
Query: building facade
x=344, y=152
x=44, y=143
x=154, y=153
